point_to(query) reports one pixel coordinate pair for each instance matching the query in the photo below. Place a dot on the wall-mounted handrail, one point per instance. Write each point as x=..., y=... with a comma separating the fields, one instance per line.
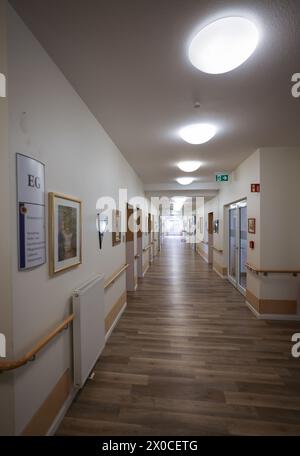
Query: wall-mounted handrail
x=147, y=248
x=217, y=250
x=7, y=365
x=113, y=278
x=272, y=271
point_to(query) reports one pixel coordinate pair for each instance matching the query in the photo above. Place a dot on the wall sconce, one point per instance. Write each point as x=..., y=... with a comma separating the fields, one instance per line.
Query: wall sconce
x=102, y=223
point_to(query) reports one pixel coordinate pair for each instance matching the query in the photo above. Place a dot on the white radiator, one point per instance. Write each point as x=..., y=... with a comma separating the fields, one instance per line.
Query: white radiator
x=88, y=328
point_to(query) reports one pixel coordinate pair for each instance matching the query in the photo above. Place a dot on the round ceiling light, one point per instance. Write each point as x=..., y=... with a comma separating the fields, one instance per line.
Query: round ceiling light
x=189, y=166
x=185, y=180
x=198, y=133
x=223, y=45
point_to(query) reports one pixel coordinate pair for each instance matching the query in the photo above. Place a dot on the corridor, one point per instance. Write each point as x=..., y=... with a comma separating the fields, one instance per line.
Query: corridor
x=189, y=358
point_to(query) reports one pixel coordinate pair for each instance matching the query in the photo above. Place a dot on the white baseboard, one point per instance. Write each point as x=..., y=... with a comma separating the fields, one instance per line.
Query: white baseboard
x=219, y=274
x=202, y=256
x=146, y=270
x=277, y=317
x=61, y=414
x=107, y=336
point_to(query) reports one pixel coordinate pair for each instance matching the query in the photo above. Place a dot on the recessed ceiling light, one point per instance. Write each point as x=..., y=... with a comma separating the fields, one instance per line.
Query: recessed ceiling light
x=198, y=133
x=185, y=180
x=223, y=45
x=189, y=166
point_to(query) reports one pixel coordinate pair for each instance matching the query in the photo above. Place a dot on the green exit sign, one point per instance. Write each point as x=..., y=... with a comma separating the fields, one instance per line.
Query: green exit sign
x=222, y=177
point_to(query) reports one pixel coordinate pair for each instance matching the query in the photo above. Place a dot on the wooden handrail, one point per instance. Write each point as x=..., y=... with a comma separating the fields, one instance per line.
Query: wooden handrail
x=217, y=250
x=7, y=365
x=147, y=248
x=136, y=257
x=113, y=278
x=271, y=271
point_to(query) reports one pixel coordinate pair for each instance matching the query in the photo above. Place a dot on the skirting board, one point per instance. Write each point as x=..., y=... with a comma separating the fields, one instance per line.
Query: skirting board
x=56, y=423
x=272, y=316
x=108, y=334
x=48, y=417
x=204, y=257
x=146, y=270
x=219, y=274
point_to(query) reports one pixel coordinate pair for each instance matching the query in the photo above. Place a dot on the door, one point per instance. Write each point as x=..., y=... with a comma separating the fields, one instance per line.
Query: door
x=210, y=230
x=139, y=256
x=130, y=260
x=237, y=257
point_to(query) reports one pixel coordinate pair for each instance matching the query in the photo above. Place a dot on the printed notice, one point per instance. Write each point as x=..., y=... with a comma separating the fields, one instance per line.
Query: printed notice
x=31, y=212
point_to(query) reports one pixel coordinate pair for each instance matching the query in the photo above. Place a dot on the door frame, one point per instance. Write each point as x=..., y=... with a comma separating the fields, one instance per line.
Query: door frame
x=130, y=260
x=210, y=235
x=139, y=220
x=236, y=281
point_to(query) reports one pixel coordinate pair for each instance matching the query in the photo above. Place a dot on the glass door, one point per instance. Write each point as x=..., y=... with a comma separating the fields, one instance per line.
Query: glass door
x=243, y=248
x=232, y=270
x=237, y=273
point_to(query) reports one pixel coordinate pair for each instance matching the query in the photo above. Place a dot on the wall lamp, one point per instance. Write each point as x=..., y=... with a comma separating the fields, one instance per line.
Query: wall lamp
x=102, y=223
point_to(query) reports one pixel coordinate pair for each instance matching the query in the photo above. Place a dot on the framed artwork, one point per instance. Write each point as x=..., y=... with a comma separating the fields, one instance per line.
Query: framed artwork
x=252, y=225
x=116, y=227
x=65, y=232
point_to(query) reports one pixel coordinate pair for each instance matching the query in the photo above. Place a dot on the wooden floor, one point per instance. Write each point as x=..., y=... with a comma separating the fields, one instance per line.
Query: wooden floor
x=189, y=358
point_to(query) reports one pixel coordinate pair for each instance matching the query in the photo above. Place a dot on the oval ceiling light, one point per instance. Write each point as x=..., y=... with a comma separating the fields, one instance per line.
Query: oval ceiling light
x=185, y=180
x=189, y=166
x=198, y=133
x=223, y=45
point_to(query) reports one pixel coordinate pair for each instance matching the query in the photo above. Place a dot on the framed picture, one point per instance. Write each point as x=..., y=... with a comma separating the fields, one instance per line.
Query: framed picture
x=252, y=225
x=116, y=227
x=65, y=232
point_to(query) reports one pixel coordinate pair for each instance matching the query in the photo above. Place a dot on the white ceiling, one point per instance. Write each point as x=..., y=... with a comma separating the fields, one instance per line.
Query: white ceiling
x=127, y=59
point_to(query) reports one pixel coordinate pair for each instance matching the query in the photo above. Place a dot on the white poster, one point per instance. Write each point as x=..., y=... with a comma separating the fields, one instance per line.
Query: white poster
x=31, y=212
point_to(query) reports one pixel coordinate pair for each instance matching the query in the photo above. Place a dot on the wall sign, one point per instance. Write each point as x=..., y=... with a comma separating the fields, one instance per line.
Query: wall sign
x=31, y=212
x=222, y=177
x=252, y=225
x=255, y=188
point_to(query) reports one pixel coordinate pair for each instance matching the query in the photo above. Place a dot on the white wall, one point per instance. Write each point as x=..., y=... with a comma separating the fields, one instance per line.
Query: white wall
x=6, y=381
x=277, y=243
x=280, y=244
x=238, y=188
x=81, y=160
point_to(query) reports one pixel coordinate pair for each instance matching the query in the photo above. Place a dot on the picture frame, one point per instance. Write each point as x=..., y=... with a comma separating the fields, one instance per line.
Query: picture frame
x=251, y=225
x=65, y=232
x=116, y=227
